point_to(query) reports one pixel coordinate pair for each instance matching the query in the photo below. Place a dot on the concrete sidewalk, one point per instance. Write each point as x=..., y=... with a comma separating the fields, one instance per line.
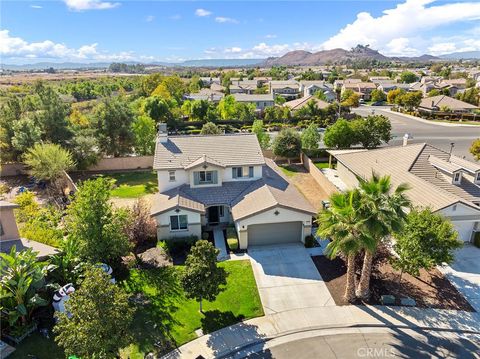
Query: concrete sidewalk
x=258, y=330
x=219, y=240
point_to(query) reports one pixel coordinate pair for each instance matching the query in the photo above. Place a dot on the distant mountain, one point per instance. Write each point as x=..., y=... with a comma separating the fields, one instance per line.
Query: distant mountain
x=221, y=62
x=467, y=55
x=337, y=56
x=104, y=65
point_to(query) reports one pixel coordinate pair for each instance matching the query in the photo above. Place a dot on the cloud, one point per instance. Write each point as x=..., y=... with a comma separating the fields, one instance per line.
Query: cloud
x=82, y=5
x=150, y=18
x=175, y=17
x=15, y=48
x=223, y=20
x=202, y=12
x=270, y=36
x=36, y=7
x=233, y=50
x=404, y=22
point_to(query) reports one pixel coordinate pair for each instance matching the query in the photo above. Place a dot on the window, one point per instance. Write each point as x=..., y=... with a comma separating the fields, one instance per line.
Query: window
x=456, y=177
x=205, y=177
x=237, y=172
x=171, y=176
x=250, y=171
x=2, y=232
x=179, y=222
x=477, y=178
x=221, y=211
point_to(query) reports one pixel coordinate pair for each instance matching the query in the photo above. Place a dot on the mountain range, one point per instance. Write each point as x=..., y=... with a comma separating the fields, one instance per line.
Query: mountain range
x=292, y=58
x=339, y=56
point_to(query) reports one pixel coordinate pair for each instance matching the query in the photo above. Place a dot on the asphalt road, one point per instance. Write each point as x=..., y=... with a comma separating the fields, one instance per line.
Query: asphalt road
x=393, y=344
x=434, y=134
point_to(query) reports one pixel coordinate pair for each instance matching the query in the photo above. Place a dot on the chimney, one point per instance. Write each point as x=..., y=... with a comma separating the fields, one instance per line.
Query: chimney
x=405, y=139
x=162, y=135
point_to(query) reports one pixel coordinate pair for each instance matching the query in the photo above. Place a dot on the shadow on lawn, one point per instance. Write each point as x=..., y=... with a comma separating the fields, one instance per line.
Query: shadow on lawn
x=215, y=320
x=154, y=320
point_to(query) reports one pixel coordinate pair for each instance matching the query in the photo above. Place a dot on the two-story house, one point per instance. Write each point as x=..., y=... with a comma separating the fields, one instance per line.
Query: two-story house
x=261, y=101
x=289, y=89
x=224, y=179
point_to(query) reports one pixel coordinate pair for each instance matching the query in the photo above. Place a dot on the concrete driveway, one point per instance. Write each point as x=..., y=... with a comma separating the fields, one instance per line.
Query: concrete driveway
x=464, y=273
x=287, y=278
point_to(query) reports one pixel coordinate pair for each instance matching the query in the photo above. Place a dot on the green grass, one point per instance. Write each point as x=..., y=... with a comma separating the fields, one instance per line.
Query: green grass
x=171, y=317
x=39, y=346
x=133, y=184
x=289, y=171
x=321, y=165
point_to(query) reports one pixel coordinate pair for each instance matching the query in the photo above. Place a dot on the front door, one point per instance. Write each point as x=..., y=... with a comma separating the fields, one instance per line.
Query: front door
x=213, y=214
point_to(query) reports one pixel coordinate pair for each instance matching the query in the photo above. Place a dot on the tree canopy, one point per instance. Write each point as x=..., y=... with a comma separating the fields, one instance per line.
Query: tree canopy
x=287, y=143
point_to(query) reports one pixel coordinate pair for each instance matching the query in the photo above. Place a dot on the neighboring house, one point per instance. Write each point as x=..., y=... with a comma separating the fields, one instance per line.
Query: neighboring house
x=389, y=86
x=246, y=87
x=9, y=235
x=217, y=88
x=224, y=179
x=438, y=103
x=205, y=94
x=299, y=103
x=363, y=89
x=309, y=88
x=288, y=89
x=208, y=81
x=447, y=184
x=338, y=84
x=260, y=101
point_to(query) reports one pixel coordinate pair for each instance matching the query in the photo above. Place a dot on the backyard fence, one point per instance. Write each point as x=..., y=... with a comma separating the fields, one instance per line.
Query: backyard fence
x=318, y=176
x=103, y=165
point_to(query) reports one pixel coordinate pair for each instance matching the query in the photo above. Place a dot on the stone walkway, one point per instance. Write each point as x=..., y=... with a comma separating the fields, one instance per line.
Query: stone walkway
x=333, y=318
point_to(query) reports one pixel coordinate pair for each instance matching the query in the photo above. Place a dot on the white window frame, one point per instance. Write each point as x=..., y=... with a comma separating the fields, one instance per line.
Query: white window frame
x=178, y=222
x=221, y=211
x=171, y=176
x=237, y=169
x=477, y=178
x=457, y=177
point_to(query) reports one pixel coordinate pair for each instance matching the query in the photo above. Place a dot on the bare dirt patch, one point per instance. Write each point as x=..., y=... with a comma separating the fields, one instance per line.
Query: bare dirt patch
x=430, y=290
x=307, y=185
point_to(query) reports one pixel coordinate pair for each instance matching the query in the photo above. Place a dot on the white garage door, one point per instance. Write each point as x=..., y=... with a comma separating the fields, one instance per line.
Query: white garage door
x=273, y=233
x=464, y=230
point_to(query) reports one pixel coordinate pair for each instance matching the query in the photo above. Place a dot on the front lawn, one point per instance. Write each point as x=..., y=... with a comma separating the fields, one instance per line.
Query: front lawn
x=168, y=318
x=133, y=184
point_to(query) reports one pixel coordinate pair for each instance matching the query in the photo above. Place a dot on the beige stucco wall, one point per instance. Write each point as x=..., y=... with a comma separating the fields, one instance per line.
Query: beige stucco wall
x=318, y=176
x=346, y=175
x=163, y=225
x=9, y=225
x=464, y=219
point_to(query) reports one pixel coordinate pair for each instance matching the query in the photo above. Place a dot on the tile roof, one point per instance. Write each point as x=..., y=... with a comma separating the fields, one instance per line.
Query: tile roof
x=242, y=97
x=435, y=102
x=303, y=101
x=229, y=150
x=410, y=164
x=246, y=198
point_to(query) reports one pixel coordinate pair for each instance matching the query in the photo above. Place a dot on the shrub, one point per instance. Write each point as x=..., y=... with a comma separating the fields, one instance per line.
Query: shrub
x=205, y=236
x=476, y=239
x=179, y=245
x=309, y=241
x=232, y=239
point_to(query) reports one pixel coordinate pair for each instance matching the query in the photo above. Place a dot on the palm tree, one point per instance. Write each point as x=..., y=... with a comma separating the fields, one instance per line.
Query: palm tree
x=383, y=211
x=343, y=224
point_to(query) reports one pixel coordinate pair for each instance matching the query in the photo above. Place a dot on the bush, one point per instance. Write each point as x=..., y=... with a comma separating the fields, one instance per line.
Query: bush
x=205, y=236
x=309, y=241
x=232, y=239
x=180, y=245
x=476, y=239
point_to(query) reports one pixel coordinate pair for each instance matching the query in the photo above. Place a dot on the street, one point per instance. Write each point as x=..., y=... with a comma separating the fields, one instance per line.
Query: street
x=435, y=134
x=368, y=343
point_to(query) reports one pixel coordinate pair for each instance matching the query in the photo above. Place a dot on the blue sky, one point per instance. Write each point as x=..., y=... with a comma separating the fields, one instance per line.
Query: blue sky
x=97, y=30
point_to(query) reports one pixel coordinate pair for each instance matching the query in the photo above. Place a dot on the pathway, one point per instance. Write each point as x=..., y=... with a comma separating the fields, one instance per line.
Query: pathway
x=219, y=239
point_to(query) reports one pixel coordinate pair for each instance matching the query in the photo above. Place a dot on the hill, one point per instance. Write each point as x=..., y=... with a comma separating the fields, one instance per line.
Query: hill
x=337, y=56
x=467, y=55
